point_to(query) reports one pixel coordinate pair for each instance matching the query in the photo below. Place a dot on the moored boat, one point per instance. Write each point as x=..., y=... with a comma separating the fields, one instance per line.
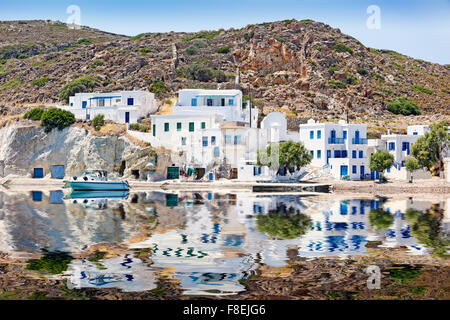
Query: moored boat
x=96, y=180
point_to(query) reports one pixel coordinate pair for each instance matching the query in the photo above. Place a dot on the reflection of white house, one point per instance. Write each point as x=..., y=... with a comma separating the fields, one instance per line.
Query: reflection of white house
x=212, y=127
x=125, y=272
x=340, y=147
x=120, y=107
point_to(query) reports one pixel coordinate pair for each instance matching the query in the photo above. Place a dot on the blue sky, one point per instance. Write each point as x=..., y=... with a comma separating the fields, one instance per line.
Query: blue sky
x=420, y=29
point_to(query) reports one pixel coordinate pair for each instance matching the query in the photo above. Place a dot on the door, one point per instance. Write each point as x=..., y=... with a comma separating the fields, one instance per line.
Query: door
x=362, y=171
x=173, y=173
x=344, y=171
x=234, y=173
x=38, y=173
x=127, y=117
x=58, y=172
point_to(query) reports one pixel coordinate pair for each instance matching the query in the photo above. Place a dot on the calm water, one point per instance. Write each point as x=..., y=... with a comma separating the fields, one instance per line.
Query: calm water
x=209, y=241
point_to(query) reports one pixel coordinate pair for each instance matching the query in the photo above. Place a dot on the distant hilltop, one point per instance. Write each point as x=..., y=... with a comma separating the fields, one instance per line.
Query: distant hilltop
x=303, y=68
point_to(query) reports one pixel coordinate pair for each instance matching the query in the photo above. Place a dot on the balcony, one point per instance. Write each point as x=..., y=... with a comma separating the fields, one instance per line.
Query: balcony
x=336, y=140
x=359, y=141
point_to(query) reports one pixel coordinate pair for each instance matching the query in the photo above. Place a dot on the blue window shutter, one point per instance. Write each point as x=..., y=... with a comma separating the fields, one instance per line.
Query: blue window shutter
x=361, y=154
x=130, y=101
x=194, y=102
x=319, y=134
x=311, y=134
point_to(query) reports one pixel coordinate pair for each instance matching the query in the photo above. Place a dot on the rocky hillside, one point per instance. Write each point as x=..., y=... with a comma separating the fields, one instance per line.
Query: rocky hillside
x=304, y=68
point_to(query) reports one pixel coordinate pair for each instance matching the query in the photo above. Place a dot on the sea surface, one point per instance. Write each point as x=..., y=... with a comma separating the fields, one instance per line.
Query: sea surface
x=211, y=241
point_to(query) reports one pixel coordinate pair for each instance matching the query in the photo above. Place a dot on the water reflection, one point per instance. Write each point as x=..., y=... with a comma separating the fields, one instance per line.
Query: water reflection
x=209, y=241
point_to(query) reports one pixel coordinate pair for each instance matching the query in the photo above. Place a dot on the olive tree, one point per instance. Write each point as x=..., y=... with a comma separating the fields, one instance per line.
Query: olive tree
x=381, y=161
x=411, y=165
x=285, y=154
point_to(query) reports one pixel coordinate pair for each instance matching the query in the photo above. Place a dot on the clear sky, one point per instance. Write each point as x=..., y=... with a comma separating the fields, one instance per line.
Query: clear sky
x=417, y=28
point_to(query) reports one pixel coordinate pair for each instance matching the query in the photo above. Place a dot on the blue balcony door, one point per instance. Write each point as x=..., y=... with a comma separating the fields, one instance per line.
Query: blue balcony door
x=344, y=171
x=127, y=117
x=84, y=104
x=356, y=135
x=362, y=171
x=333, y=134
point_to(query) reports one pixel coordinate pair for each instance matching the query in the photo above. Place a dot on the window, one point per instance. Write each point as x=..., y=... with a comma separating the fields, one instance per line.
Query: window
x=354, y=154
x=361, y=154
x=345, y=134
x=353, y=169
x=154, y=130
x=213, y=140
x=183, y=141
x=311, y=134
x=319, y=154
x=237, y=139
x=194, y=102
x=337, y=154
x=166, y=126
x=209, y=102
x=71, y=104
x=216, y=152
x=415, y=133
x=319, y=134
x=256, y=171
x=205, y=141
x=118, y=101
x=101, y=102
x=203, y=125
x=227, y=139
x=391, y=146
x=178, y=126
x=312, y=154
x=344, y=153
x=231, y=102
x=191, y=126
x=130, y=101
x=405, y=146
x=354, y=210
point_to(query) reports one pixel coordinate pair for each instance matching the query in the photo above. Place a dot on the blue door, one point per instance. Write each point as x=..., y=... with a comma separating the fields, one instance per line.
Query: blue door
x=344, y=171
x=362, y=171
x=127, y=117
x=58, y=172
x=84, y=104
x=38, y=173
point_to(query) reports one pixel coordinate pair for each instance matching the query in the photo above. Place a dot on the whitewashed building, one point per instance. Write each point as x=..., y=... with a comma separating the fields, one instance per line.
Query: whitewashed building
x=211, y=128
x=120, y=107
x=339, y=147
x=400, y=146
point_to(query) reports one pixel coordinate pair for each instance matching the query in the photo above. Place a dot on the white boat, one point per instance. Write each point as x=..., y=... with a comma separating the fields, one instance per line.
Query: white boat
x=96, y=180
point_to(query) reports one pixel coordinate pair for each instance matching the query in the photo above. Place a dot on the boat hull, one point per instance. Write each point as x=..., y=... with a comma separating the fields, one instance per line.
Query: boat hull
x=99, y=194
x=98, y=185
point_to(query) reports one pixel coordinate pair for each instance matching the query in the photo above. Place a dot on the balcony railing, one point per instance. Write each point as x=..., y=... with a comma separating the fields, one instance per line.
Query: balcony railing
x=359, y=141
x=336, y=140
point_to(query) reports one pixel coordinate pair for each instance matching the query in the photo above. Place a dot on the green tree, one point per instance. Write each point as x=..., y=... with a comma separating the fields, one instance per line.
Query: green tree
x=34, y=114
x=285, y=226
x=81, y=84
x=158, y=87
x=380, y=161
x=98, y=122
x=380, y=219
x=285, y=154
x=403, y=106
x=56, y=118
x=430, y=148
x=411, y=165
x=426, y=228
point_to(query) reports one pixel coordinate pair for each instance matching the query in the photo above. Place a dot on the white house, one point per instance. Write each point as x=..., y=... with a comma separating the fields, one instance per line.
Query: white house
x=211, y=127
x=400, y=146
x=339, y=147
x=225, y=102
x=120, y=107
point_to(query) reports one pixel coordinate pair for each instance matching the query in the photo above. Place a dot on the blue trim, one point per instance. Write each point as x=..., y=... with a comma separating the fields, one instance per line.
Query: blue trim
x=95, y=98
